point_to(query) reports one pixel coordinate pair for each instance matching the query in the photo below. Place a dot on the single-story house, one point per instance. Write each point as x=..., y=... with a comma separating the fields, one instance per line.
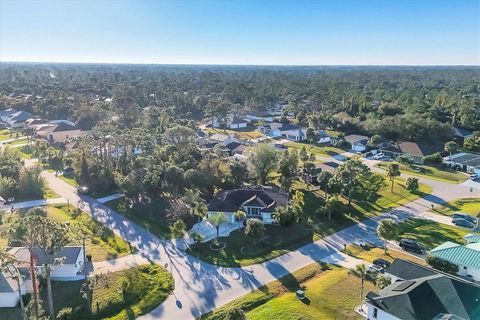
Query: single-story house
x=472, y=238
x=438, y=296
x=34, y=123
x=68, y=263
x=466, y=257
x=412, y=150
x=401, y=270
x=250, y=117
x=287, y=130
x=6, y=114
x=222, y=139
x=232, y=121
x=358, y=143
x=236, y=148
x=259, y=202
x=464, y=161
x=10, y=290
x=462, y=134
x=323, y=137
x=17, y=119
x=61, y=133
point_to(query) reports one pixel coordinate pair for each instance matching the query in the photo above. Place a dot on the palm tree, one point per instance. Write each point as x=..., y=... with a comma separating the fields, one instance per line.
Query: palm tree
x=383, y=281
x=387, y=230
x=217, y=219
x=392, y=172
x=360, y=271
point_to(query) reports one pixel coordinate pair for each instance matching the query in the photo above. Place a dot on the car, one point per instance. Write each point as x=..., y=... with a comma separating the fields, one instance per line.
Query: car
x=373, y=268
x=463, y=223
x=474, y=176
x=300, y=294
x=411, y=245
x=378, y=156
x=381, y=263
x=460, y=215
x=83, y=190
x=360, y=242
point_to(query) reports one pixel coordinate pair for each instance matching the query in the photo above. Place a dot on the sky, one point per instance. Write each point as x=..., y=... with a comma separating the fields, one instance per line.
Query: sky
x=262, y=32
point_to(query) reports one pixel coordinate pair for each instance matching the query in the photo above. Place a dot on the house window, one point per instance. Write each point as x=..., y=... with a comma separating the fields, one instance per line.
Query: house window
x=255, y=212
x=375, y=312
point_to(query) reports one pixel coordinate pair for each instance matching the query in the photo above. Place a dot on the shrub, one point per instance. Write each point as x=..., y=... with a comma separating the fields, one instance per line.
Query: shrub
x=435, y=158
x=441, y=264
x=412, y=184
x=65, y=314
x=286, y=215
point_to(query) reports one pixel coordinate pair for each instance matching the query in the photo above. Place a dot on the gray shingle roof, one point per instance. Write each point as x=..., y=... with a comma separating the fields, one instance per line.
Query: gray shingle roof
x=232, y=200
x=70, y=254
x=407, y=270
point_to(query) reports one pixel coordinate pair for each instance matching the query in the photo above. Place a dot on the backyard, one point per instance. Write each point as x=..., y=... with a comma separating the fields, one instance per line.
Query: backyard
x=103, y=244
x=430, y=172
x=319, y=150
x=120, y=295
x=243, y=134
x=332, y=293
x=465, y=205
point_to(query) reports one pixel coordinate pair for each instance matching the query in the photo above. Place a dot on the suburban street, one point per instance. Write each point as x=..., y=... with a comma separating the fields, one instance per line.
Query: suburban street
x=201, y=287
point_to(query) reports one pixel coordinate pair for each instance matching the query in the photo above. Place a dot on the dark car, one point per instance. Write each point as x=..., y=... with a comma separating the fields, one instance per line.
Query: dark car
x=464, y=216
x=463, y=223
x=83, y=190
x=381, y=263
x=411, y=245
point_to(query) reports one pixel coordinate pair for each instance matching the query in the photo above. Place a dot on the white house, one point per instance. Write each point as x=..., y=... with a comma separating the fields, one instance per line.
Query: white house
x=68, y=263
x=224, y=139
x=257, y=203
x=466, y=257
x=232, y=121
x=434, y=296
x=287, y=130
x=464, y=161
x=358, y=143
x=10, y=290
x=323, y=137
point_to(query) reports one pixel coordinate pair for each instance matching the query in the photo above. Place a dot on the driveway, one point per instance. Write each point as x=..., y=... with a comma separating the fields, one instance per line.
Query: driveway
x=201, y=287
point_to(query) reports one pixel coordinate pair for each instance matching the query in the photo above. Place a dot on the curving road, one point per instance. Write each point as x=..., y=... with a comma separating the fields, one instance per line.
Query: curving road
x=201, y=287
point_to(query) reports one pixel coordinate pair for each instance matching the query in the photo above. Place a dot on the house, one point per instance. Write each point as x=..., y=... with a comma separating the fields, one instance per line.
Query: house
x=232, y=121
x=68, y=262
x=462, y=134
x=259, y=202
x=401, y=270
x=10, y=289
x=323, y=137
x=6, y=114
x=61, y=133
x=34, y=123
x=287, y=130
x=438, y=296
x=466, y=257
x=464, y=161
x=17, y=119
x=222, y=139
x=472, y=238
x=236, y=148
x=412, y=150
x=358, y=143
x=250, y=117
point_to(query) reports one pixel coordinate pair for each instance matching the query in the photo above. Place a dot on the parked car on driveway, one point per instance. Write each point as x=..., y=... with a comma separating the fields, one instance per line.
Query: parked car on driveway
x=375, y=269
x=459, y=215
x=460, y=222
x=411, y=245
x=378, y=156
x=381, y=263
x=83, y=190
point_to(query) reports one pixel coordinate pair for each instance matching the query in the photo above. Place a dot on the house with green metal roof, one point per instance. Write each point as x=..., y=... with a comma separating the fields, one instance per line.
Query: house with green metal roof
x=466, y=257
x=472, y=238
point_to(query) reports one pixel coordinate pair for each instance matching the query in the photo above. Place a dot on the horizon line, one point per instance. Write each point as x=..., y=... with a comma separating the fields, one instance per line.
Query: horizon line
x=244, y=65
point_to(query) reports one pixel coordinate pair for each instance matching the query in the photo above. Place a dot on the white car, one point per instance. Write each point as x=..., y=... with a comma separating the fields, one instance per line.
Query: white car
x=375, y=269
x=474, y=176
x=378, y=156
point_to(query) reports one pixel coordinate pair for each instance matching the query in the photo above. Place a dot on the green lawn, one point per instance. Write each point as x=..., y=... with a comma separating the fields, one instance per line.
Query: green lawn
x=465, y=205
x=151, y=217
x=121, y=295
x=332, y=294
x=319, y=150
x=371, y=253
x=18, y=141
x=104, y=246
x=26, y=152
x=70, y=181
x=430, y=172
x=430, y=233
x=49, y=194
x=6, y=134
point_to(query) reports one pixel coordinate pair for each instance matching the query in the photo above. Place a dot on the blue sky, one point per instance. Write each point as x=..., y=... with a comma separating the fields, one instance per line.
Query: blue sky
x=388, y=32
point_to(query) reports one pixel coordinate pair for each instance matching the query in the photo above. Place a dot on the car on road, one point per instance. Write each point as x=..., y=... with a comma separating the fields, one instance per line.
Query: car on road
x=460, y=222
x=411, y=245
x=373, y=268
x=378, y=156
x=381, y=263
x=460, y=215
x=83, y=190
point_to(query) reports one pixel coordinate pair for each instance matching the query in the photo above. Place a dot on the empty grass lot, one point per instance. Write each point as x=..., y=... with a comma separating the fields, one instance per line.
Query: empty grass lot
x=430, y=233
x=104, y=245
x=465, y=205
x=332, y=294
x=324, y=151
x=371, y=253
x=123, y=295
x=430, y=172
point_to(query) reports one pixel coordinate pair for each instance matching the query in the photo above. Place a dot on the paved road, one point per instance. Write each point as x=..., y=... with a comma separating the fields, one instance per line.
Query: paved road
x=200, y=287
